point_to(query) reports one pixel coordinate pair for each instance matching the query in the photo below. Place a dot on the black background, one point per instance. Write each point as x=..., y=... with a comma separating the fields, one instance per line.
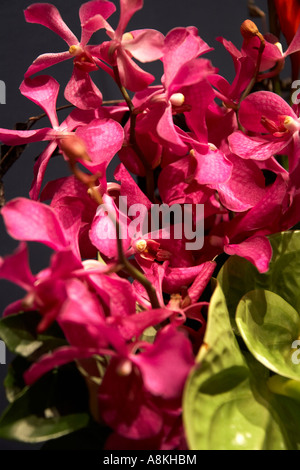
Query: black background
x=21, y=43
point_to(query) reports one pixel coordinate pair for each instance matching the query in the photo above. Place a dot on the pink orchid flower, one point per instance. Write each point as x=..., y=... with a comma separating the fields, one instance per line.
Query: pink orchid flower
x=80, y=90
x=46, y=291
x=181, y=89
x=273, y=123
x=145, y=374
x=145, y=45
x=102, y=138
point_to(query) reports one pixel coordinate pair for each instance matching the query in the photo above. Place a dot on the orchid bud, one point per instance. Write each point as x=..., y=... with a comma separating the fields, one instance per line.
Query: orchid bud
x=74, y=148
x=249, y=29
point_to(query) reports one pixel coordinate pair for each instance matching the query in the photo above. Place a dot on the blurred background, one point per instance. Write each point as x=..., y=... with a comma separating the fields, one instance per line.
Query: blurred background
x=21, y=43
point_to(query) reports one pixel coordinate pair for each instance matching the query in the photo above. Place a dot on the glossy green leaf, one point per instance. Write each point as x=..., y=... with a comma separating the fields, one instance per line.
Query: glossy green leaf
x=14, y=382
x=221, y=411
x=238, y=276
x=19, y=332
x=269, y=326
x=286, y=387
x=48, y=409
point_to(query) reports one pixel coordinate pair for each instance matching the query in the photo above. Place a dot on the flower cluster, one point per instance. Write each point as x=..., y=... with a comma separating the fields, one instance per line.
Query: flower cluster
x=191, y=138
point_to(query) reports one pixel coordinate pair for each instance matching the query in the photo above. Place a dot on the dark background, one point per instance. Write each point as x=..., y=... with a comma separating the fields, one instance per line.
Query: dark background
x=21, y=43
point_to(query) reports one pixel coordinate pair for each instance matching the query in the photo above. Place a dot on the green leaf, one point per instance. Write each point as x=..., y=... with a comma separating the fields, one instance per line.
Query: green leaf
x=14, y=382
x=48, y=409
x=269, y=326
x=238, y=276
x=286, y=387
x=19, y=332
x=219, y=335
x=288, y=411
x=220, y=409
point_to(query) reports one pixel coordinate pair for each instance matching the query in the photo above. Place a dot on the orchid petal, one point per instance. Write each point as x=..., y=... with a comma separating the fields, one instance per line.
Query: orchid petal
x=256, y=249
x=15, y=268
x=42, y=90
x=40, y=169
x=46, y=60
x=49, y=16
x=82, y=92
x=146, y=45
x=128, y=8
x=166, y=364
x=33, y=221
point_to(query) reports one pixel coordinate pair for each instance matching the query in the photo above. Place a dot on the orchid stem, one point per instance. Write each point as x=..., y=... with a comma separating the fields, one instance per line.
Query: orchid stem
x=122, y=259
x=256, y=72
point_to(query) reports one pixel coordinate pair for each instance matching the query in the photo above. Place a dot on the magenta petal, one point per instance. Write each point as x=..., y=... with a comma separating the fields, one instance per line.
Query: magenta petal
x=266, y=212
x=103, y=139
x=103, y=230
x=131, y=75
x=39, y=170
x=42, y=90
x=116, y=293
x=176, y=278
x=212, y=168
x=130, y=189
x=190, y=73
x=15, y=268
x=146, y=46
x=262, y=103
x=181, y=46
x=33, y=221
x=63, y=263
x=90, y=27
x=69, y=211
x=81, y=320
x=257, y=250
x=202, y=94
x=168, y=134
x=57, y=358
x=201, y=280
x=14, y=307
x=82, y=92
x=133, y=325
x=126, y=406
x=128, y=8
x=166, y=364
x=49, y=16
x=256, y=148
x=12, y=137
x=46, y=60
x=294, y=45
x=245, y=173
x=96, y=7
